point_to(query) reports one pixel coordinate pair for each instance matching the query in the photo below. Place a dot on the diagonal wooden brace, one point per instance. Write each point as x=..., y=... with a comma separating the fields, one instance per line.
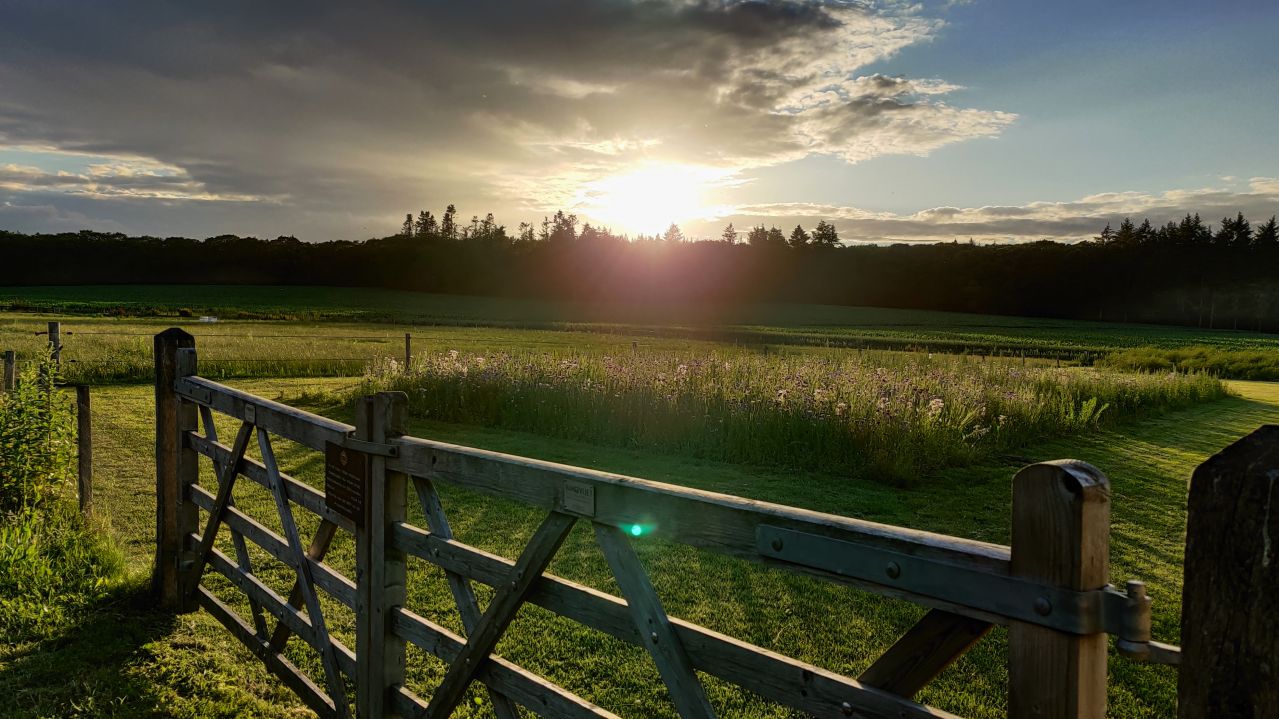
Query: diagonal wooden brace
x=501, y=611
x=191, y=577
x=306, y=583
x=654, y=626
x=931, y=645
x=237, y=539
x=319, y=547
x=463, y=595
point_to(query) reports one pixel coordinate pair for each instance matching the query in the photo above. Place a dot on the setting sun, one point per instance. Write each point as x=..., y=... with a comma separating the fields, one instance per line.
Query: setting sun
x=648, y=199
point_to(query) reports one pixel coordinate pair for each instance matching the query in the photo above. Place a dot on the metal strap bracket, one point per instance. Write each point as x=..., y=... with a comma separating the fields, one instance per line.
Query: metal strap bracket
x=377, y=448
x=1003, y=598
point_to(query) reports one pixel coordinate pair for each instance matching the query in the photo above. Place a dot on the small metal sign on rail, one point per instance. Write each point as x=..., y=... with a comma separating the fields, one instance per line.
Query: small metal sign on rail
x=346, y=475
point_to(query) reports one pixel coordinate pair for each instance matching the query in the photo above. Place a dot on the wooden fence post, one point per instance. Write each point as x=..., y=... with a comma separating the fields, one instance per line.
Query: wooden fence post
x=84, y=448
x=380, y=571
x=1061, y=536
x=10, y=370
x=55, y=342
x=1230, y=599
x=175, y=466
x=408, y=351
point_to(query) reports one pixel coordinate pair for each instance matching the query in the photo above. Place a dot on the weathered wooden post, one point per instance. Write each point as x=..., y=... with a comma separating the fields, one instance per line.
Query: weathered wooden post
x=175, y=465
x=1061, y=536
x=55, y=342
x=1230, y=599
x=10, y=370
x=380, y=570
x=408, y=351
x=84, y=448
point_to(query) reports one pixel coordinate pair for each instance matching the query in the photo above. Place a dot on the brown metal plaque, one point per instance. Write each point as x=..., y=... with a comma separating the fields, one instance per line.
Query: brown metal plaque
x=346, y=481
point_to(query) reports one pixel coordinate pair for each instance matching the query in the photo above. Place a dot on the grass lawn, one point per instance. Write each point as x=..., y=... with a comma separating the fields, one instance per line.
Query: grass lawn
x=127, y=660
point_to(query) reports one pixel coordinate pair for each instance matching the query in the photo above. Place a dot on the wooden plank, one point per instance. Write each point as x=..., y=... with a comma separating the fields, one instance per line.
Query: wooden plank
x=84, y=448
x=10, y=371
x=534, y=692
x=716, y=522
x=274, y=604
x=463, y=595
x=654, y=627
x=334, y=682
x=307, y=691
x=326, y=578
x=382, y=569
x=291, y=423
x=266, y=597
x=237, y=540
x=1230, y=600
x=175, y=469
x=931, y=645
x=501, y=611
x=225, y=485
x=787, y=681
x=300, y=493
x=1061, y=535
x=320, y=542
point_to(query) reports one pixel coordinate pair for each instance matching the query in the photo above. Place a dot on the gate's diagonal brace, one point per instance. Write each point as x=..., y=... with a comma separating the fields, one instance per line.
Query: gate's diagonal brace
x=225, y=484
x=931, y=645
x=305, y=582
x=319, y=547
x=237, y=539
x=654, y=626
x=463, y=595
x=506, y=602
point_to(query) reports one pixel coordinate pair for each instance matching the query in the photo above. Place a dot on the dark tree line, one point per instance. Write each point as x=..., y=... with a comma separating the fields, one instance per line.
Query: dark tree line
x=1187, y=272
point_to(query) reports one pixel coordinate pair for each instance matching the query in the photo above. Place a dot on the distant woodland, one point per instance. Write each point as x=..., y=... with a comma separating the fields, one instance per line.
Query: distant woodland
x=1222, y=275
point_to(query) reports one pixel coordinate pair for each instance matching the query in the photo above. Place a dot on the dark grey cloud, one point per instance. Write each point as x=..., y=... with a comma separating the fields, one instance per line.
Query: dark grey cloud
x=335, y=113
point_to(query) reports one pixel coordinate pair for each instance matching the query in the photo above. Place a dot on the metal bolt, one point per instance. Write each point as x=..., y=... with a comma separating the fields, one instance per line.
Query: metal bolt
x=777, y=544
x=653, y=636
x=846, y=709
x=435, y=551
x=893, y=570
x=1043, y=607
x=514, y=584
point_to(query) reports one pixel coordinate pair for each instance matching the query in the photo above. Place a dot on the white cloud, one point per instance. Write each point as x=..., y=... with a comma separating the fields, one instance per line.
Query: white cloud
x=1062, y=221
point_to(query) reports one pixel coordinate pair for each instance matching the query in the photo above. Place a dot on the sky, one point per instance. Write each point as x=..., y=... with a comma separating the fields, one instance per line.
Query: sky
x=995, y=120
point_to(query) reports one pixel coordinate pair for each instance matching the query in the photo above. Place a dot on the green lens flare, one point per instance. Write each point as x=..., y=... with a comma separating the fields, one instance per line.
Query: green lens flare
x=636, y=530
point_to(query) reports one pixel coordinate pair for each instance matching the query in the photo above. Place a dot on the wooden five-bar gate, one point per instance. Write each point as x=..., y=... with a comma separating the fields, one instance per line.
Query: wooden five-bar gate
x=1050, y=587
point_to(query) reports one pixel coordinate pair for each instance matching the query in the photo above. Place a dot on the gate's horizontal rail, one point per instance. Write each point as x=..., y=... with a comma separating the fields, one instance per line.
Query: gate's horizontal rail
x=771, y=675
x=275, y=604
x=520, y=685
x=311, y=695
x=301, y=493
x=327, y=578
x=717, y=522
x=291, y=423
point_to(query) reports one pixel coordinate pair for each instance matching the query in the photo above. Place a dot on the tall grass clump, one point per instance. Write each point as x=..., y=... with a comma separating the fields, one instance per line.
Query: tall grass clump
x=1250, y=364
x=52, y=564
x=889, y=416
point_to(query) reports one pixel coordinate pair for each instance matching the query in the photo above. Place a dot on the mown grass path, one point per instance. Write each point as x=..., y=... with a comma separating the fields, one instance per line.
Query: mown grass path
x=127, y=660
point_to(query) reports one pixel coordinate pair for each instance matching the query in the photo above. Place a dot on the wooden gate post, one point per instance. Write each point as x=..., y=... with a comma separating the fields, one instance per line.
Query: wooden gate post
x=380, y=571
x=55, y=342
x=408, y=351
x=84, y=448
x=1230, y=599
x=10, y=370
x=175, y=466
x=1061, y=536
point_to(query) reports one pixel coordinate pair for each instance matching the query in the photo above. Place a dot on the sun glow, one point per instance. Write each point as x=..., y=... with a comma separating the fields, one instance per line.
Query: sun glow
x=648, y=199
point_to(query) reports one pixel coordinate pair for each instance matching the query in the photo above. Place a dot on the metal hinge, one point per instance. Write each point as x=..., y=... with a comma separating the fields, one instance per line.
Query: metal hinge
x=360, y=445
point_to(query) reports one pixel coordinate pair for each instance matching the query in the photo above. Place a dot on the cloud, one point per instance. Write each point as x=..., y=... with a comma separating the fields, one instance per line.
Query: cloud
x=321, y=110
x=1062, y=221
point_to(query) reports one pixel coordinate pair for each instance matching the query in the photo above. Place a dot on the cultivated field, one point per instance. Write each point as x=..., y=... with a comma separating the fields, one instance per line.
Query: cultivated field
x=745, y=323
x=919, y=439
